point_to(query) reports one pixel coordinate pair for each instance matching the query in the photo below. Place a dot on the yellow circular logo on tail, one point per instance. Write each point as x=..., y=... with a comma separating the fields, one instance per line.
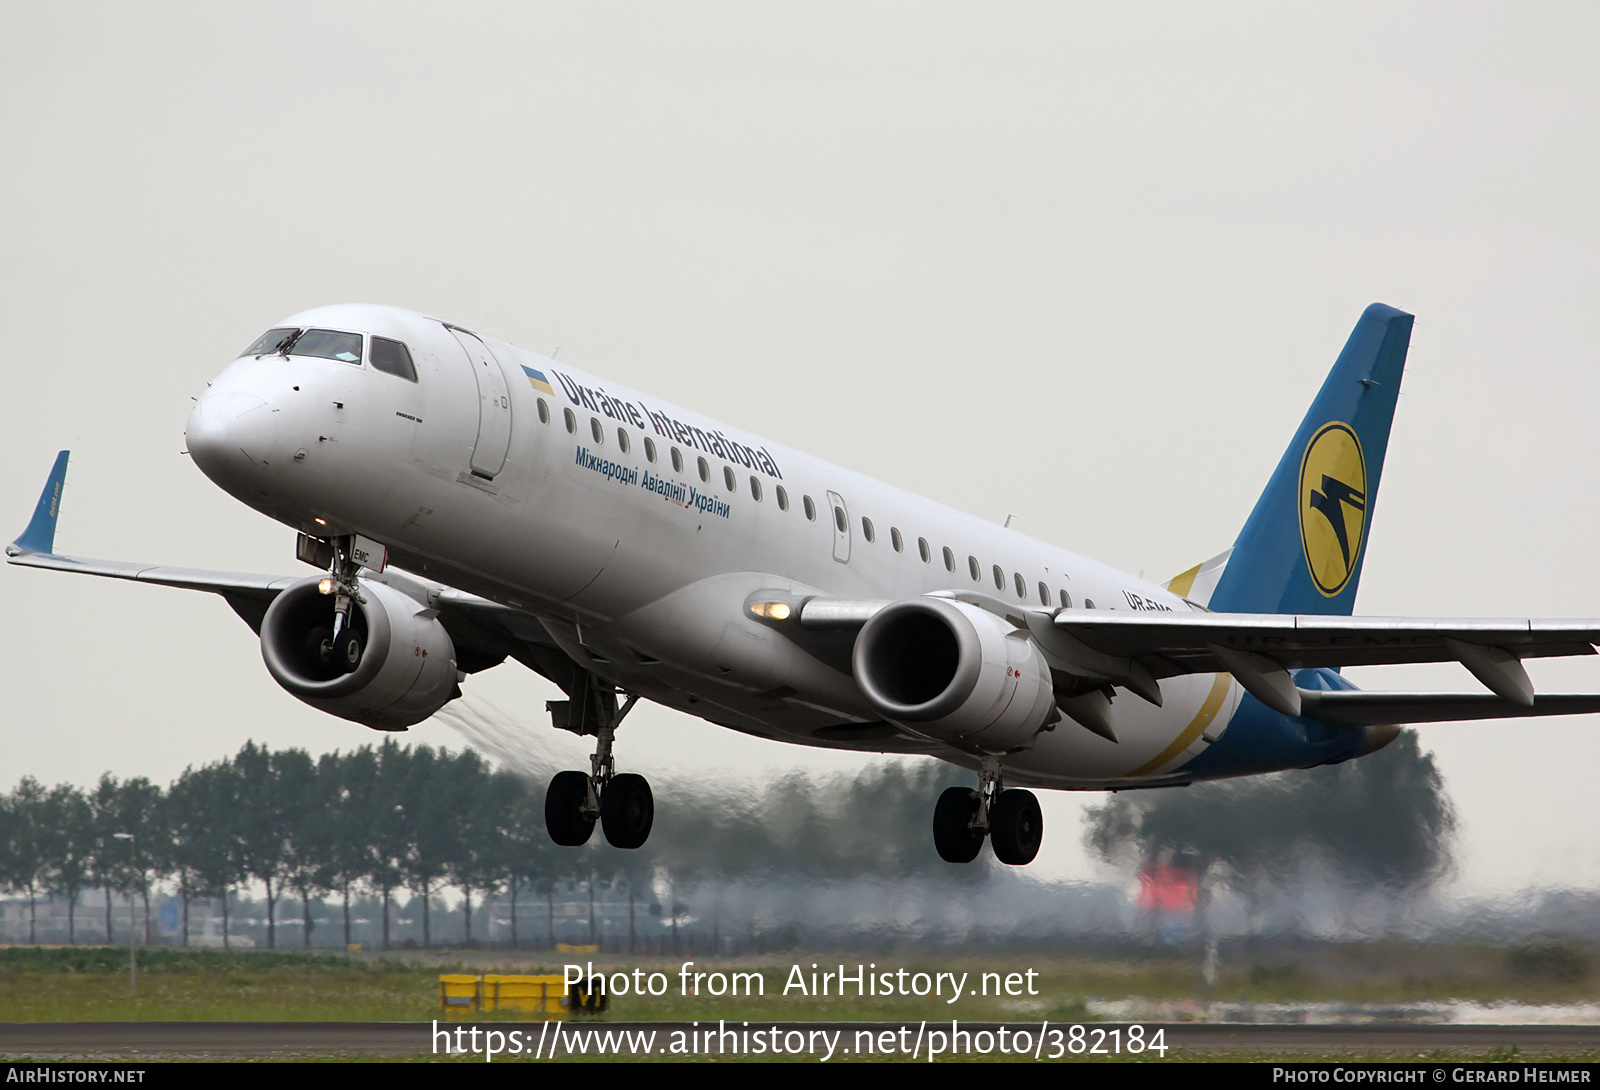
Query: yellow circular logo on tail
x=1333, y=506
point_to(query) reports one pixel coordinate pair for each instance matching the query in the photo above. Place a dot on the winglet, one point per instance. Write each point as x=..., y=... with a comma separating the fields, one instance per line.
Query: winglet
x=40, y=536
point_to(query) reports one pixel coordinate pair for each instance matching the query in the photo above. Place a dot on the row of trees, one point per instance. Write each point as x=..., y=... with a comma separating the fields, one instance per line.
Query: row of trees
x=377, y=821
x=381, y=820
x=385, y=819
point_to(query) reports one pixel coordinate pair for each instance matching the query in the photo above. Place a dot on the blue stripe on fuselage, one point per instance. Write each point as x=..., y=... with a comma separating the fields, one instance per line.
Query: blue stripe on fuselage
x=1259, y=739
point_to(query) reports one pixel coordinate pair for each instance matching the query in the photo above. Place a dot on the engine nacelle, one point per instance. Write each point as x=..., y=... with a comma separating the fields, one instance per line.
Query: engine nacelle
x=408, y=664
x=954, y=673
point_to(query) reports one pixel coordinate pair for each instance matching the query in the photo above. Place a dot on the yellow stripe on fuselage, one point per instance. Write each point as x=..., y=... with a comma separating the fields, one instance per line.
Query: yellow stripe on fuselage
x=1202, y=719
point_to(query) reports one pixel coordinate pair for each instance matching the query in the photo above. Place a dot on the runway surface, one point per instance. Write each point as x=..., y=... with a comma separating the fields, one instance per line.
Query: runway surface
x=226, y=1040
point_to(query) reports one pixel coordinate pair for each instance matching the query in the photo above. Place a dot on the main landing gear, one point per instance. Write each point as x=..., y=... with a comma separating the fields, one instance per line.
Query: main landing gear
x=575, y=800
x=1010, y=819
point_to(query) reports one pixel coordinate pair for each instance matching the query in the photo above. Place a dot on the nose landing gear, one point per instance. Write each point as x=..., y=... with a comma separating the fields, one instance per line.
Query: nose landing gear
x=342, y=651
x=336, y=649
x=1010, y=819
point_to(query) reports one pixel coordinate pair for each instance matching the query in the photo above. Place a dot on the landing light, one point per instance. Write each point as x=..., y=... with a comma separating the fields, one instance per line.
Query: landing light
x=777, y=611
x=325, y=586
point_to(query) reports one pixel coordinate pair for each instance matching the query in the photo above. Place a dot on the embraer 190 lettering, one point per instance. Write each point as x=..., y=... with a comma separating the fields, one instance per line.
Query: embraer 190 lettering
x=468, y=501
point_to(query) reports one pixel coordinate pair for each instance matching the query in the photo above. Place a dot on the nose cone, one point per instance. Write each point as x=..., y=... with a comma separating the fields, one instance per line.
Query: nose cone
x=231, y=437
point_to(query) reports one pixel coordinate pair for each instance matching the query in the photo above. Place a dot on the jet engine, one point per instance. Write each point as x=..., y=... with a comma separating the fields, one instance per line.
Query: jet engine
x=407, y=665
x=955, y=673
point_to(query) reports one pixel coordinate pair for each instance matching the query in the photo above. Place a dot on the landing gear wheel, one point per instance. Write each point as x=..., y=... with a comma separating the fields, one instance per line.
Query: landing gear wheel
x=1016, y=827
x=347, y=651
x=627, y=810
x=319, y=647
x=564, y=818
x=953, y=835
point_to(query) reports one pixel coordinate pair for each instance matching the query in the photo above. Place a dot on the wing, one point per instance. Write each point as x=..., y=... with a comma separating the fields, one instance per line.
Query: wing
x=484, y=632
x=1137, y=649
x=1260, y=649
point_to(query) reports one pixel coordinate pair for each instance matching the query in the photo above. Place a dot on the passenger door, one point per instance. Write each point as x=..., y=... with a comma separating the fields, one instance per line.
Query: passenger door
x=494, y=406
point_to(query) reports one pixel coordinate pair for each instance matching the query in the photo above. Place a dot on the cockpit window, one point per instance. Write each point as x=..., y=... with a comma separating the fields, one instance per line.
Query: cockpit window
x=329, y=345
x=271, y=341
x=392, y=358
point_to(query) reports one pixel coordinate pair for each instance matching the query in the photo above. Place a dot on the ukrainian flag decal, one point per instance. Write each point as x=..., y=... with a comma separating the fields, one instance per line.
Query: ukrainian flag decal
x=537, y=380
x=1333, y=506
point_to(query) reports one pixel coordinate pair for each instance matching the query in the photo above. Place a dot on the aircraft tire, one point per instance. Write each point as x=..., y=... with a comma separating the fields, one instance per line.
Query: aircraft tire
x=319, y=648
x=1016, y=827
x=563, y=809
x=348, y=652
x=953, y=836
x=627, y=810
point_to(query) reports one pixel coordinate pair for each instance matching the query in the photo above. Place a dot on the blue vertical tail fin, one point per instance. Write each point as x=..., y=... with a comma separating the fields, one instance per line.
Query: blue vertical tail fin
x=1302, y=548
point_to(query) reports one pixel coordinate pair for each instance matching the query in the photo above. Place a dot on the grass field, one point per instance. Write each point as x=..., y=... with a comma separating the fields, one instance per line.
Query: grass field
x=90, y=984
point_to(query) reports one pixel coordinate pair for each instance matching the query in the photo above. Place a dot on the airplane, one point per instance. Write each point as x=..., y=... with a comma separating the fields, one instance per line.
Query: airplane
x=466, y=501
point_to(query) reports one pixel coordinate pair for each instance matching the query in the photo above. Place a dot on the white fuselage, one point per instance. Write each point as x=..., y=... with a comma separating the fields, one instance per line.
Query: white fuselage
x=567, y=503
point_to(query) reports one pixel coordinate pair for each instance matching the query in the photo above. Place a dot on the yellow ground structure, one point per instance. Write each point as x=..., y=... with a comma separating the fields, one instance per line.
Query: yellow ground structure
x=544, y=997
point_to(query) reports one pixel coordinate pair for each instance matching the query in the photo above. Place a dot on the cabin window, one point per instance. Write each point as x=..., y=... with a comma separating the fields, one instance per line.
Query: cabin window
x=392, y=358
x=896, y=540
x=975, y=568
x=596, y=430
x=572, y=421
x=999, y=578
x=1044, y=595
x=838, y=520
x=677, y=459
x=705, y=470
x=649, y=449
x=949, y=559
x=622, y=440
x=1066, y=600
x=811, y=509
x=923, y=550
x=1088, y=603
x=866, y=529
x=783, y=499
x=544, y=412
x=755, y=489
x=1022, y=587
x=273, y=340
x=729, y=479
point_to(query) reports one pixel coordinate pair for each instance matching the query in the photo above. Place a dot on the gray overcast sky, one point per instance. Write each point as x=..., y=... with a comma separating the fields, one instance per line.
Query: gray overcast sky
x=1083, y=265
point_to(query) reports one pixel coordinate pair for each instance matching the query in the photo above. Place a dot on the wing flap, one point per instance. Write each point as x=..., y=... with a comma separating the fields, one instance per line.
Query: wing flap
x=1365, y=709
x=1184, y=642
